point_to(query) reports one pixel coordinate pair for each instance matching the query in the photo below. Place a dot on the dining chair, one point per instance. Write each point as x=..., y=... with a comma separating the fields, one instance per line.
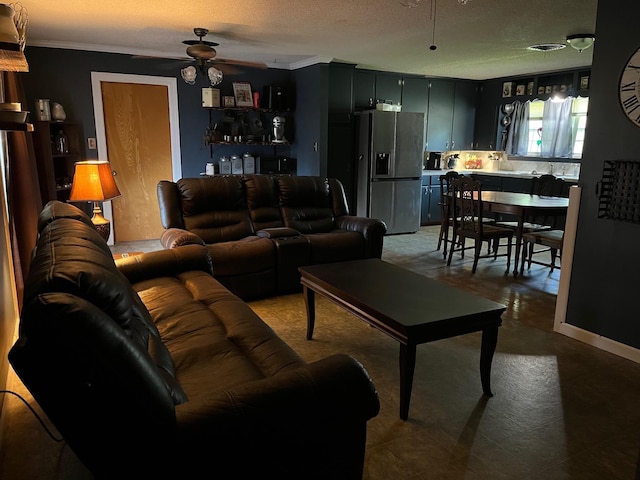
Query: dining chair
x=467, y=203
x=447, y=211
x=544, y=185
x=446, y=219
x=551, y=240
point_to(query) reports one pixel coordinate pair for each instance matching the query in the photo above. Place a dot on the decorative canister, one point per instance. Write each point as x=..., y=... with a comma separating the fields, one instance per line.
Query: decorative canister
x=43, y=110
x=236, y=165
x=248, y=164
x=224, y=166
x=209, y=169
x=57, y=112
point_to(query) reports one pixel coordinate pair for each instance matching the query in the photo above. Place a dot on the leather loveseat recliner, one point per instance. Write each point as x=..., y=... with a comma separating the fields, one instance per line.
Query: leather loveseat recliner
x=152, y=369
x=260, y=228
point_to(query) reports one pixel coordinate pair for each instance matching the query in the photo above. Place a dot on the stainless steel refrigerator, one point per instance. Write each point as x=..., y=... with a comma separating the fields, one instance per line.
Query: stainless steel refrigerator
x=390, y=159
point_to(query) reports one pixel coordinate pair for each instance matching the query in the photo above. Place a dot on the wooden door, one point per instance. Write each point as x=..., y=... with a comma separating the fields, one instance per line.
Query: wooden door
x=137, y=131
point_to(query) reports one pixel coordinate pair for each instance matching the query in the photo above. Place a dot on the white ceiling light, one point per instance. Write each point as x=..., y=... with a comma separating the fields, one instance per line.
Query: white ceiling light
x=581, y=41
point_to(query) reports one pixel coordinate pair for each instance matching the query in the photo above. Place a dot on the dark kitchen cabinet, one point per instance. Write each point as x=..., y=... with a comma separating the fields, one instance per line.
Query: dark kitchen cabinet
x=431, y=212
x=389, y=88
x=440, y=115
x=415, y=95
x=364, y=90
x=464, y=115
x=451, y=115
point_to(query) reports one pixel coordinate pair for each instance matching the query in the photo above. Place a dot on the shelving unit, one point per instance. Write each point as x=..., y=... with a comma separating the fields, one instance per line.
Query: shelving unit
x=234, y=131
x=55, y=170
x=545, y=85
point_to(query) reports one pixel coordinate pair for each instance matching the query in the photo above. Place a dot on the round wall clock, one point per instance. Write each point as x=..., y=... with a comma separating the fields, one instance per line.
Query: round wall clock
x=630, y=88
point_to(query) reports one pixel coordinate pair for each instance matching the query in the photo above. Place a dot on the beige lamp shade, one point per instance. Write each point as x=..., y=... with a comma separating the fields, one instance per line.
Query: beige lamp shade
x=12, y=58
x=93, y=182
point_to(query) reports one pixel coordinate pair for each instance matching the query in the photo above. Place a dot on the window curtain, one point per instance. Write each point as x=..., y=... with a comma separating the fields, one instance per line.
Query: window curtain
x=23, y=190
x=517, y=140
x=557, y=131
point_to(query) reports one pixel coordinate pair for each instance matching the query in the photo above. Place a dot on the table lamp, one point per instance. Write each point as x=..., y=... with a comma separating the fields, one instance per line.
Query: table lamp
x=93, y=182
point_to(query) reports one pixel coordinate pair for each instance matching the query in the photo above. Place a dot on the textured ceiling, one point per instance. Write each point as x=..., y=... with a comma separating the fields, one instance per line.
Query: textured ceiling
x=480, y=40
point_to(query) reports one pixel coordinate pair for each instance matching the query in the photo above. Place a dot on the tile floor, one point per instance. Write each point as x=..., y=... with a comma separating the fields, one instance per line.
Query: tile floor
x=561, y=410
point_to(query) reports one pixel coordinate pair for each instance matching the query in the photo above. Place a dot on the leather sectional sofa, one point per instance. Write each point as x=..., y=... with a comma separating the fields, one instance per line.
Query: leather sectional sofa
x=150, y=368
x=260, y=228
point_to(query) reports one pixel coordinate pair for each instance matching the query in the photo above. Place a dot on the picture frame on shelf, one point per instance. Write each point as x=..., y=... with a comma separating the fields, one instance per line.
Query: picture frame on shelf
x=507, y=89
x=228, y=101
x=584, y=82
x=520, y=90
x=242, y=94
x=211, y=97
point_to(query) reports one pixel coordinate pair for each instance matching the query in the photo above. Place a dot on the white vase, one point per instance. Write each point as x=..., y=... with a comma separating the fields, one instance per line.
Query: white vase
x=57, y=112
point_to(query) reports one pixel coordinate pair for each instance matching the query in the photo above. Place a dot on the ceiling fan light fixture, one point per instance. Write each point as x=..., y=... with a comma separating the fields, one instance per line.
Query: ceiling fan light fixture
x=215, y=76
x=189, y=74
x=581, y=41
x=546, y=47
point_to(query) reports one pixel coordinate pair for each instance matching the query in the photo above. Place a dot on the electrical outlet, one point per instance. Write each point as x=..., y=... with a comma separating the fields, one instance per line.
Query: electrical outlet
x=92, y=143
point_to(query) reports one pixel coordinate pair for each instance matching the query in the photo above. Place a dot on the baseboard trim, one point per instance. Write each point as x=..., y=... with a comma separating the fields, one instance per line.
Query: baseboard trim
x=598, y=341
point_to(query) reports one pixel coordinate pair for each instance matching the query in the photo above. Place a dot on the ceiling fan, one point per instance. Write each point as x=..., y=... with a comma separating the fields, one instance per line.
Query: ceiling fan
x=205, y=55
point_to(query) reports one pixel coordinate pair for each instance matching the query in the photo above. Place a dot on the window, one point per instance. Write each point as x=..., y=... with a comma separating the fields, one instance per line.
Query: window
x=564, y=123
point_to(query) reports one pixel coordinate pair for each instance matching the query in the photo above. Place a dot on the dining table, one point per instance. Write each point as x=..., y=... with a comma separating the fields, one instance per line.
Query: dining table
x=523, y=205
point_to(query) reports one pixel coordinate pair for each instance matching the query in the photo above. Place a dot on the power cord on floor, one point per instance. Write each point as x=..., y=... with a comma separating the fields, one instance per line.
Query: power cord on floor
x=35, y=414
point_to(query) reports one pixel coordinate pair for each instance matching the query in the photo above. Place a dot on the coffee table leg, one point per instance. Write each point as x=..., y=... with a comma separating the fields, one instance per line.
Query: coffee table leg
x=310, y=302
x=489, y=342
x=407, y=367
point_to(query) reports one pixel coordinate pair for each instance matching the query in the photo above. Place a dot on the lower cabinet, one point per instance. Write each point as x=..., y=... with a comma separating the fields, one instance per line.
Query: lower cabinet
x=430, y=208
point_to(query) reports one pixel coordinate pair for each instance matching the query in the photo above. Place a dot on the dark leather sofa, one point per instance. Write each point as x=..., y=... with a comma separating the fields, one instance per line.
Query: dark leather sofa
x=150, y=368
x=260, y=228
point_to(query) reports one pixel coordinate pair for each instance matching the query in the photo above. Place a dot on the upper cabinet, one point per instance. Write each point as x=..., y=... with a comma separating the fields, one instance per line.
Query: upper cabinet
x=415, y=95
x=364, y=90
x=389, y=88
x=451, y=115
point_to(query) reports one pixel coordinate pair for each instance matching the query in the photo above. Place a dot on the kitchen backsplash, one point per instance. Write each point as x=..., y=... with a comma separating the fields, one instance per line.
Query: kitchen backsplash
x=491, y=160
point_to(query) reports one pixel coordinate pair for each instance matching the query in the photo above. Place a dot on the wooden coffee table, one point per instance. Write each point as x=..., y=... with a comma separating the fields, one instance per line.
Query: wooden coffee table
x=408, y=307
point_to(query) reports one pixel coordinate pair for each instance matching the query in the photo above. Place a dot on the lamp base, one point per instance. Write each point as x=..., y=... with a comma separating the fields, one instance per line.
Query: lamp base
x=104, y=230
x=102, y=225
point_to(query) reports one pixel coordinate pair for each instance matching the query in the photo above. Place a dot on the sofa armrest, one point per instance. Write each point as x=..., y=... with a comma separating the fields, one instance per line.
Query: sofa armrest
x=334, y=389
x=372, y=229
x=166, y=263
x=277, y=232
x=309, y=422
x=176, y=237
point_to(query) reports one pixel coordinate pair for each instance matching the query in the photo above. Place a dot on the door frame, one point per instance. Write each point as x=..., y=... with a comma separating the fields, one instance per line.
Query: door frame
x=101, y=138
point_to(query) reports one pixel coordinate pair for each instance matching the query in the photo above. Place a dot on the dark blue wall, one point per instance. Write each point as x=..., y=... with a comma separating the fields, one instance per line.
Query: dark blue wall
x=603, y=296
x=64, y=76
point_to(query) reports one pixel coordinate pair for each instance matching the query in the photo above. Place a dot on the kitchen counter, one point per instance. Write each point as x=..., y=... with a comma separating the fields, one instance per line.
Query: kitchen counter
x=500, y=173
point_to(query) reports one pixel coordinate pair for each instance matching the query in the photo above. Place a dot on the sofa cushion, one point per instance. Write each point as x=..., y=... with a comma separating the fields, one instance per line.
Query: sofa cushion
x=262, y=201
x=215, y=208
x=215, y=339
x=306, y=204
x=247, y=255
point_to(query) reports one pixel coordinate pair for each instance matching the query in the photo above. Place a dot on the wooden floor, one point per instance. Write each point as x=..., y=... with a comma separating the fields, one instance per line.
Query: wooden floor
x=561, y=410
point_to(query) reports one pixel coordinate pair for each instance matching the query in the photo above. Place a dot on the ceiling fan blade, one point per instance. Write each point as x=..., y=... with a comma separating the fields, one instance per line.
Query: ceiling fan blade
x=196, y=42
x=240, y=63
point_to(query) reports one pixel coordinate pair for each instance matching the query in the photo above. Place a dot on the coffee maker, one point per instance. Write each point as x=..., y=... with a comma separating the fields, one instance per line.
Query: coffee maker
x=433, y=161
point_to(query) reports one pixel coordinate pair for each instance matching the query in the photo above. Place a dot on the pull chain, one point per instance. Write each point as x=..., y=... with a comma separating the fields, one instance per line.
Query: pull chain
x=433, y=17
